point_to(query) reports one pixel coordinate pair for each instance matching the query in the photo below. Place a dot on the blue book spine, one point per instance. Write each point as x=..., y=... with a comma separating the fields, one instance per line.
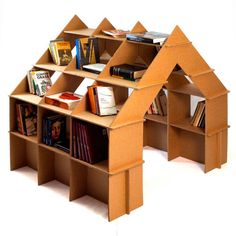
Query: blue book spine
x=78, y=54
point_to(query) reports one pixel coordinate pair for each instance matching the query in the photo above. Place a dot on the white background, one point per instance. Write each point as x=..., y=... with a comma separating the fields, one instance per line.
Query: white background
x=179, y=199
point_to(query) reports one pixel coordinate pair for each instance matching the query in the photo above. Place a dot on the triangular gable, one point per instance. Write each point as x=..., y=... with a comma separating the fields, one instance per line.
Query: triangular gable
x=104, y=25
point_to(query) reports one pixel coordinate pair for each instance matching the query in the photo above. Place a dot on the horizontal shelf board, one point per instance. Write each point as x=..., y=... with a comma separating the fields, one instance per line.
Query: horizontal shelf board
x=127, y=167
x=186, y=125
x=189, y=89
x=27, y=97
x=55, y=108
x=119, y=82
x=50, y=66
x=157, y=118
x=104, y=121
x=56, y=150
x=101, y=36
x=82, y=32
x=33, y=139
x=100, y=166
x=81, y=73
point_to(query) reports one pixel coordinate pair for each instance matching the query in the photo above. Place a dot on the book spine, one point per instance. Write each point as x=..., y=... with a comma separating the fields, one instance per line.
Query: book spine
x=78, y=54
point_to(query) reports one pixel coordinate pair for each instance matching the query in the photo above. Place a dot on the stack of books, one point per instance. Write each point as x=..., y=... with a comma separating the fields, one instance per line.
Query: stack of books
x=26, y=115
x=54, y=132
x=128, y=71
x=89, y=142
x=39, y=82
x=60, y=51
x=102, y=100
x=148, y=37
x=159, y=105
x=198, y=118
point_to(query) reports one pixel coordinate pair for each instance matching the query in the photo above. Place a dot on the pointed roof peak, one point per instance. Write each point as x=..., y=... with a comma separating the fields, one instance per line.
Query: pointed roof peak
x=138, y=27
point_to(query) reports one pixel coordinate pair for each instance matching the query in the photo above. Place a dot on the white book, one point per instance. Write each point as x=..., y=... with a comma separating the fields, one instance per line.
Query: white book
x=106, y=101
x=94, y=68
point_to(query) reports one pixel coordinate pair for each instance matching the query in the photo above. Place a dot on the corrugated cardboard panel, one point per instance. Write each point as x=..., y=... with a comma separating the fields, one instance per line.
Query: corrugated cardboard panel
x=155, y=135
x=104, y=25
x=173, y=142
x=32, y=155
x=216, y=114
x=46, y=170
x=78, y=180
x=138, y=28
x=125, y=146
x=62, y=168
x=135, y=187
x=22, y=153
x=97, y=185
x=136, y=106
x=117, y=196
x=192, y=146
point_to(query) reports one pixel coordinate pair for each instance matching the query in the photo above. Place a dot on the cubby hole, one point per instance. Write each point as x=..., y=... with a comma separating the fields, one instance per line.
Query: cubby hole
x=54, y=132
x=90, y=144
x=88, y=181
x=23, y=119
x=23, y=152
x=186, y=144
x=53, y=166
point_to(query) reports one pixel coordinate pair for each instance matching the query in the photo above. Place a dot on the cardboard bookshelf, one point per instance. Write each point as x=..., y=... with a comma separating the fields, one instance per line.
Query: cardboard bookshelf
x=118, y=180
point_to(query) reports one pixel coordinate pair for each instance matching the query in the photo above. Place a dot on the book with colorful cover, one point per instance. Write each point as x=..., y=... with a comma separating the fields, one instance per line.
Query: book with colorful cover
x=66, y=100
x=116, y=33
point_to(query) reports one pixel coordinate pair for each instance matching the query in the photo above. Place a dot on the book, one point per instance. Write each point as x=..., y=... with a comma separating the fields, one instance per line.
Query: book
x=159, y=105
x=91, y=141
x=116, y=33
x=40, y=81
x=54, y=130
x=198, y=119
x=102, y=100
x=94, y=68
x=148, y=37
x=66, y=100
x=106, y=101
x=128, y=71
x=60, y=51
x=26, y=118
x=81, y=49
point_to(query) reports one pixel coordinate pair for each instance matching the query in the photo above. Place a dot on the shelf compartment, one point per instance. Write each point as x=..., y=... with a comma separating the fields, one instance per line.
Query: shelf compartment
x=185, y=143
x=82, y=32
x=23, y=152
x=53, y=165
x=186, y=125
x=156, y=118
x=88, y=181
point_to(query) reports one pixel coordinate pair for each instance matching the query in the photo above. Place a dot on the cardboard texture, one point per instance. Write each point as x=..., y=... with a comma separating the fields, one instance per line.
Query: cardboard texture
x=117, y=181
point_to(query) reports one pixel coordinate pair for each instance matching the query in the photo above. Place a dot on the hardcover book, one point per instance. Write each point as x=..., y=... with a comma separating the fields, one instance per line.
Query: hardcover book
x=127, y=71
